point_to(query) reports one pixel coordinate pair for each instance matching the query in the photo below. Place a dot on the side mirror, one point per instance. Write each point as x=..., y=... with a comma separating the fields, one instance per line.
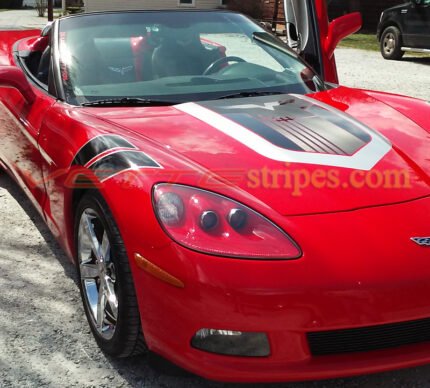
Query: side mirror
x=14, y=77
x=339, y=29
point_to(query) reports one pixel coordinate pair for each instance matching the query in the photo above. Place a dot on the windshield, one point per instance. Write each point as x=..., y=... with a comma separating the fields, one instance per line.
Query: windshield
x=175, y=56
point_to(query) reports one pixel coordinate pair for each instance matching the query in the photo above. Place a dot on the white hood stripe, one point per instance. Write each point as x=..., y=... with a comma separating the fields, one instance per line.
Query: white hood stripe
x=364, y=159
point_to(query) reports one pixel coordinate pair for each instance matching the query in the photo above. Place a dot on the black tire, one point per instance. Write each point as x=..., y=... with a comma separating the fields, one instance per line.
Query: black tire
x=391, y=44
x=123, y=322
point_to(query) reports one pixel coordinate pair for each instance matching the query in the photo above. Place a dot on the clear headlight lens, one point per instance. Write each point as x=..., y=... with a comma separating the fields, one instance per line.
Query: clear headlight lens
x=213, y=224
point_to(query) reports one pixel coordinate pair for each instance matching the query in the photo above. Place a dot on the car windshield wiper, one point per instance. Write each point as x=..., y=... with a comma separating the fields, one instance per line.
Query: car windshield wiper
x=250, y=94
x=128, y=101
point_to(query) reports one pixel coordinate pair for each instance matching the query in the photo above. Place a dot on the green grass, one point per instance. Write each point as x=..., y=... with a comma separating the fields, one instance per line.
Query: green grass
x=361, y=41
x=370, y=42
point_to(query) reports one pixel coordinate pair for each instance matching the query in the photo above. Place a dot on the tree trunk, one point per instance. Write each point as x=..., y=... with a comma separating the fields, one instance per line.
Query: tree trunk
x=275, y=15
x=50, y=10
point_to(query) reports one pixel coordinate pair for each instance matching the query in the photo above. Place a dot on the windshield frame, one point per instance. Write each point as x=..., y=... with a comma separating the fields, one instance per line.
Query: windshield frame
x=278, y=44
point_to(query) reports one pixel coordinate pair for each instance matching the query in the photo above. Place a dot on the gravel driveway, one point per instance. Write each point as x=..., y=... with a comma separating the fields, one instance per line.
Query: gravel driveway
x=368, y=70
x=44, y=337
x=21, y=19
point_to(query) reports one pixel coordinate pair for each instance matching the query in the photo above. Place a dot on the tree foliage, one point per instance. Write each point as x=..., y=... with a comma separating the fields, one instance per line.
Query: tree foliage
x=41, y=7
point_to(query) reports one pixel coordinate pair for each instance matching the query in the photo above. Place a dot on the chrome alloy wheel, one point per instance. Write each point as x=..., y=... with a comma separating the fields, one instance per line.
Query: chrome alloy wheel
x=389, y=43
x=97, y=274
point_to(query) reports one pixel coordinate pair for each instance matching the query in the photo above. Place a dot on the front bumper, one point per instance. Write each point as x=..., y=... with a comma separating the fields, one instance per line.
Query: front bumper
x=359, y=269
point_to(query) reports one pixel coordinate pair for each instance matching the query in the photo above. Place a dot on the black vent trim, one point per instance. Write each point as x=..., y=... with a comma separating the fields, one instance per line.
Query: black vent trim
x=366, y=339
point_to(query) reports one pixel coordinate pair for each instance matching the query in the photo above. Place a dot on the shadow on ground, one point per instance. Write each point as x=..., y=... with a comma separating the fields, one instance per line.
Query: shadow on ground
x=44, y=337
x=421, y=60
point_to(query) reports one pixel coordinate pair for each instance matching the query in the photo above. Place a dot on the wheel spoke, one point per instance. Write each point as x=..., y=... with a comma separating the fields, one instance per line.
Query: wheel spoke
x=98, y=274
x=91, y=234
x=101, y=306
x=92, y=293
x=89, y=271
x=105, y=247
x=85, y=246
x=111, y=297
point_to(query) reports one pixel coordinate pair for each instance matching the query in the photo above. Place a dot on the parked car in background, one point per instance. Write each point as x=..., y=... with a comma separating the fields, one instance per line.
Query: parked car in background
x=405, y=27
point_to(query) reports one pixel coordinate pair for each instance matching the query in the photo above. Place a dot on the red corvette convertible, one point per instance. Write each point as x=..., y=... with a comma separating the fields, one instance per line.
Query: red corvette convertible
x=227, y=204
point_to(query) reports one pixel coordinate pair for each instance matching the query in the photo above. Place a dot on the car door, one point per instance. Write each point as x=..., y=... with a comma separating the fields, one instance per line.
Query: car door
x=302, y=31
x=20, y=124
x=416, y=30
x=426, y=37
x=313, y=37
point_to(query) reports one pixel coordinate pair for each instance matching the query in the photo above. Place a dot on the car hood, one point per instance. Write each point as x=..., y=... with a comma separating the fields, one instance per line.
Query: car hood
x=337, y=150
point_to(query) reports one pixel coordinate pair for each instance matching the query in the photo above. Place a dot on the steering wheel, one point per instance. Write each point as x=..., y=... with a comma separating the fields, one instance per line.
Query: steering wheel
x=214, y=66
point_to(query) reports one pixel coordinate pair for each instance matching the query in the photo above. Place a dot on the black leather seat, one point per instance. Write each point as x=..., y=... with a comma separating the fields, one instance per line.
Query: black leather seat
x=42, y=73
x=87, y=66
x=172, y=59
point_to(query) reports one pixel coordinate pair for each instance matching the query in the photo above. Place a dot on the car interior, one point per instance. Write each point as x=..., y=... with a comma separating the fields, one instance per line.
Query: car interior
x=142, y=57
x=200, y=60
x=39, y=58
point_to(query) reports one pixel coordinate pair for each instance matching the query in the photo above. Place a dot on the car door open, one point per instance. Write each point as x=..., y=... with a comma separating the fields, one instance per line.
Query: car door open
x=313, y=37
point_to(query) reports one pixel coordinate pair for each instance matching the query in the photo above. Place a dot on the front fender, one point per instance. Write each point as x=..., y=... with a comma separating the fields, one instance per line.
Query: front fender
x=414, y=109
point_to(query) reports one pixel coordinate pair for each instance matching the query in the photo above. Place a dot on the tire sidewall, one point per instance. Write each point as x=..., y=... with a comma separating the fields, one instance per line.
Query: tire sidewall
x=94, y=202
x=397, y=53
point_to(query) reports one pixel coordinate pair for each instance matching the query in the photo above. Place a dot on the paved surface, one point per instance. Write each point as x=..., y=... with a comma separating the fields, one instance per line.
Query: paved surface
x=21, y=19
x=367, y=69
x=44, y=337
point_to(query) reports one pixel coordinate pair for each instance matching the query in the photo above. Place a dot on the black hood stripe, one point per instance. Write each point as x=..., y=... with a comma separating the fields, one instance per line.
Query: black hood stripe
x=114, y=163
x=99, y=145
x=309, y=141
x=294, y=129
x=326, y=145
x=295, y=125
x=267, y=132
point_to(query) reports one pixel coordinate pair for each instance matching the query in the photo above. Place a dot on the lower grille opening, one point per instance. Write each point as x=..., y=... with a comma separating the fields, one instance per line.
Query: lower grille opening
x=370, y=338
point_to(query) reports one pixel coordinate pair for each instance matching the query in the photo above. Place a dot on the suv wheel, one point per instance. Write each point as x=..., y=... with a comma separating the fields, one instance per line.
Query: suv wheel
x=391, y=43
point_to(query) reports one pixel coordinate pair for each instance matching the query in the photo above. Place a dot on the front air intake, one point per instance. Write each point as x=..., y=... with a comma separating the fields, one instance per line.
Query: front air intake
x=369, y=338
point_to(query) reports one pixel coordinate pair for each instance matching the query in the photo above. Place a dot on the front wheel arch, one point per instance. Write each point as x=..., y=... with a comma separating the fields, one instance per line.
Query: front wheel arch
x=389, y=23
x=127, y=339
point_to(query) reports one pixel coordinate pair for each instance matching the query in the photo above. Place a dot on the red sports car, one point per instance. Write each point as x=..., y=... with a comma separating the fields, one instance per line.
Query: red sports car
x=227, y=204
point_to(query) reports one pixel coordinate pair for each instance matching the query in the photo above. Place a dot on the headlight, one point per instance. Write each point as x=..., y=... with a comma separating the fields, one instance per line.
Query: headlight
x=382, y=15
x=213, y=224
